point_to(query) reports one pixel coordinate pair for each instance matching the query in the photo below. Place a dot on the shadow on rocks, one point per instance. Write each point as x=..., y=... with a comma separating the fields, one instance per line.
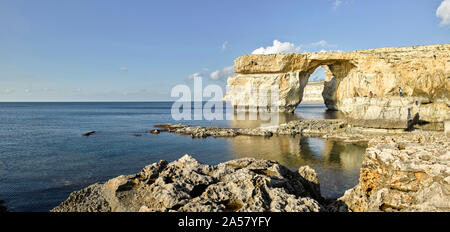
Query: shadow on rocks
x=310, y=180
x=335, y=205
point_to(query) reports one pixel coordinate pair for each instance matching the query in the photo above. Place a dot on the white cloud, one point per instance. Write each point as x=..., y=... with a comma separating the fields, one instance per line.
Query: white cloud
x=8, y=91
x=222, y=74
x=286, y=47
x=123, y=69
x=194, y=75
x=336, y=4
x=278, y=47
x=443, y=12
x=224, y=46
x=321, y=43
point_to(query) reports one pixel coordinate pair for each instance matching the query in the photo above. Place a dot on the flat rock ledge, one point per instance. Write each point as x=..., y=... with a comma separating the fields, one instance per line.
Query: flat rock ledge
x=338, y=129
x=308, y=127
x=403, y=173
x=185, y=185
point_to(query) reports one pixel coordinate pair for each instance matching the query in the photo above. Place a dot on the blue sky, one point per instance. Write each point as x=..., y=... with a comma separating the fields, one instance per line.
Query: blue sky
x=138, y=50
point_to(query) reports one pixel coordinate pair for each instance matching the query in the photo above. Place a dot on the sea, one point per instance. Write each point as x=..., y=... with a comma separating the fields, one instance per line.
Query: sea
x=44, y=157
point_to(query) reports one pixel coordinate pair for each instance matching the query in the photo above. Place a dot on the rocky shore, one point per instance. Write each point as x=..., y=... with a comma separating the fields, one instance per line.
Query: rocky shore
x=338, y=129
x=186, y=185
x=406, y=172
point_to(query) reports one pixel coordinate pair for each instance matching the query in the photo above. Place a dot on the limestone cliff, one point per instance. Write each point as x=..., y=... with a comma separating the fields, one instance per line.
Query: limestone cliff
x=422, y=72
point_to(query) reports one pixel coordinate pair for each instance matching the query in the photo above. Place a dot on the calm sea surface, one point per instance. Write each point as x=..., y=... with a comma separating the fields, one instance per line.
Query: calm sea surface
x=43, y=156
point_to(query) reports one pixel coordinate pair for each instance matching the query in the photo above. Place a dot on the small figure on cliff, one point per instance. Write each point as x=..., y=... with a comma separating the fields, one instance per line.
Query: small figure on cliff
x=400, y=91
x=370, y=94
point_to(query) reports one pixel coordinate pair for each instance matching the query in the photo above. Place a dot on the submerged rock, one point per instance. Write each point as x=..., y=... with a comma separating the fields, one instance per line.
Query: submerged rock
x=404, y=173
x=185, y=185
x=155, y=132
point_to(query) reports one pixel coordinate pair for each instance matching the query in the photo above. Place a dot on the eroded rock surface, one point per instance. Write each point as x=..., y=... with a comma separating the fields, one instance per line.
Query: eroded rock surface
x=404, y=173
x=186, y=185
x=422, y=72
x=313, y=92
x=316, y=127
x=336, y=129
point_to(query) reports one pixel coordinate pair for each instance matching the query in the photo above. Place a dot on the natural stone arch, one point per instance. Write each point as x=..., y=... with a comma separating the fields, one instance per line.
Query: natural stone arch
x=422, y=72
x=335, y=72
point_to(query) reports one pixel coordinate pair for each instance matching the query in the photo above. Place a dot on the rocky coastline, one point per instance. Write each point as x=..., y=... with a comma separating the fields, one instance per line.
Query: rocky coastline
x=396, y=99
x=402, y=171
x=338, y=129
x=186, y=185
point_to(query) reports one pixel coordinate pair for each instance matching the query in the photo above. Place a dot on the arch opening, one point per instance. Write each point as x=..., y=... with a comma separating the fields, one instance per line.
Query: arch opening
x=319, y=85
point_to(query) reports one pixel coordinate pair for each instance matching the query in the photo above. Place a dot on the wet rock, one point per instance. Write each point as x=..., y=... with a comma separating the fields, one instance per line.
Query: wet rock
x=88, y=133
x=155, y=132
x=186, y=185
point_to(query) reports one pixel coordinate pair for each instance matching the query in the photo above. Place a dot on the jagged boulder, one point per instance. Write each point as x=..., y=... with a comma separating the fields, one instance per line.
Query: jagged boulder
x=186, y=185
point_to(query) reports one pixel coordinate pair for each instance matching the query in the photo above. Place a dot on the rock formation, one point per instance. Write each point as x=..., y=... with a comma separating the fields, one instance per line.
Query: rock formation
x=185, y=185
x=312, y=127
x=313, y=92
x=422, y=72
x=409, y=172
x=404, y=173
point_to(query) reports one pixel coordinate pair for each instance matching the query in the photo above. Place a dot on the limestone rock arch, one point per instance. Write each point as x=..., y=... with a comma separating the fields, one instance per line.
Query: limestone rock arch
x=423, y=73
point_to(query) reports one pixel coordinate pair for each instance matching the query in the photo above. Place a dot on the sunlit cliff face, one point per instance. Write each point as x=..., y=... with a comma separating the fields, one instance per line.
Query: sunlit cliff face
x=420, y=71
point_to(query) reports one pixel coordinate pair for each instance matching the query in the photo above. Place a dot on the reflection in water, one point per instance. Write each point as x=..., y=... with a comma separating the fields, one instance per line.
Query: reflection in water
x=303, y=111
x=261, y=119
x=336, y=163
x=316, y=111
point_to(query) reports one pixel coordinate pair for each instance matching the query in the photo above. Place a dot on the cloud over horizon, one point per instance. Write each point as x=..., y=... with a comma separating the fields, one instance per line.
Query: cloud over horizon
x=222, y=74
x=278, y=47
x=336, y=4
x=194, y=75
x=443, y=12
x=217, y=75
x=288, y=47
x=224, y=46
